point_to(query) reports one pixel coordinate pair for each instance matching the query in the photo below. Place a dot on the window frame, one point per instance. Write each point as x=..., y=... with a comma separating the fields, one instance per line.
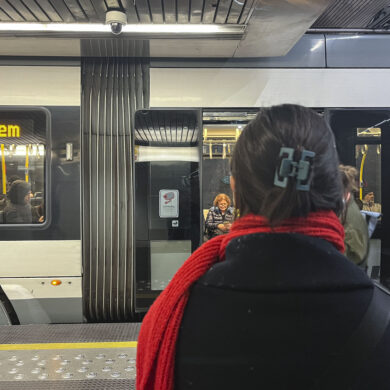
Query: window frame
x=47, y=166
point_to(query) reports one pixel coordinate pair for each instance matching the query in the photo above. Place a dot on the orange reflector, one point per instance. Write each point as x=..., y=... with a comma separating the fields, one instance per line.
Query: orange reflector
x=55, y=282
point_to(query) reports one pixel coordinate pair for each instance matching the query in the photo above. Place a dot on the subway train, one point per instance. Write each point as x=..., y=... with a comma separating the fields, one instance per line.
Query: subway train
x=49, y=269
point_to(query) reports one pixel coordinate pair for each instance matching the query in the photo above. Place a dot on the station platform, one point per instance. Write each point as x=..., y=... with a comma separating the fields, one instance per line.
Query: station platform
x=68, y=356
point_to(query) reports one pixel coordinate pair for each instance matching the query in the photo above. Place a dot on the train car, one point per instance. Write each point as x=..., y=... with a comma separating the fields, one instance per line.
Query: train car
x=105, y=243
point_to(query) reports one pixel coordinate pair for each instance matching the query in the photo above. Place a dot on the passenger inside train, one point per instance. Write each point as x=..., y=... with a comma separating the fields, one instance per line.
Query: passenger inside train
x=220, y=217
x=355, y=226
x=369, y=203
x=19, y=209
x=22, y=199
x=274, y=303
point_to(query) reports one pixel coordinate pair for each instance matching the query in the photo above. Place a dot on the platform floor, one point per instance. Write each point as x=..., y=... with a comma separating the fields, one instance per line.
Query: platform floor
x=71, y=356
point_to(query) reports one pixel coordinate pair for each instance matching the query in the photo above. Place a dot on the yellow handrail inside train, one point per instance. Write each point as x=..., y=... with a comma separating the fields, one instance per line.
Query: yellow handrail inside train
x=27, y=163
x=361, y=175
x=3, y=170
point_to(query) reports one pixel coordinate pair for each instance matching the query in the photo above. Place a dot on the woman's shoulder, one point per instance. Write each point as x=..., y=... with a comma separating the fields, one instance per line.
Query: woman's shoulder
x=251, y=259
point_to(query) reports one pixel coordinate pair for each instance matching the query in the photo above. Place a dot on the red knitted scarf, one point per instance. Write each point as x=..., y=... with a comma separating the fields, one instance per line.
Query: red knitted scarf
x=160, y=328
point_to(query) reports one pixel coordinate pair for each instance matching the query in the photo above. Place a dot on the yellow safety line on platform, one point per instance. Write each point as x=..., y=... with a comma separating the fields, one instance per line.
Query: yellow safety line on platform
x=110, y=344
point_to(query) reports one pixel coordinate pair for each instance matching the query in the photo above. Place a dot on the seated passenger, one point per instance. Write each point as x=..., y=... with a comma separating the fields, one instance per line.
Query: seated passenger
x=220, y=217
x=273, y=304
x=355, y=226
x=19, y=209
x=369, y=203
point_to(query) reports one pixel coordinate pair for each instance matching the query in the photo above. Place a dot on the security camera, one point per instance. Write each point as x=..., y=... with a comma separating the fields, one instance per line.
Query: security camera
x=116, y=19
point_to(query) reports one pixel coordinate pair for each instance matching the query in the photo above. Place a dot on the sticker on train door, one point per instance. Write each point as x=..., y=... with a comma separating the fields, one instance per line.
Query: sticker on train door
x=169, y=203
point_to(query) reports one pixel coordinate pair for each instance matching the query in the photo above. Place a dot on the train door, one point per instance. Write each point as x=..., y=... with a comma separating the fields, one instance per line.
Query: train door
x=167, y=166
x=362, y=138
x=221, y=130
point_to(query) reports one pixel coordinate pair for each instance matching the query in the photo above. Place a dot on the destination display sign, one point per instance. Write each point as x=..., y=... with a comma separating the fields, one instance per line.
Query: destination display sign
x=9, y=131
x=20, y=131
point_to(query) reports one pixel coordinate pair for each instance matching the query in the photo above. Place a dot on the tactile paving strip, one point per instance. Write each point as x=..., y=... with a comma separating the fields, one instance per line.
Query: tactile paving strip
x=68, y=333
x=104, y=384
x=70, y=364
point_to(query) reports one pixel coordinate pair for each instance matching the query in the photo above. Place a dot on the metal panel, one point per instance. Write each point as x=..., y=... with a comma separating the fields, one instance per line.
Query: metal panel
x=247, y=10
x=24, y=11
x=349, y=13
x=49, y=10
x=143, y=11
x=76, y=10
x=264, y=36
x=112, y=89
x=62, y=10
x=183, y=7
x=209, y=11
x=114, y=48
x=267, y=87
x=157, y=11
x=37, y=11
x=309, y=52
x=101, y=8
x=363, y=51
x=4, y=17
x=196, y=11
x=40, y=258
x=114, y=4
x=222, y=12
x=148, y=131
x=69, y=333
x=88, y=7
x=131, y=12
x=381, y=19
x=170, y=13
x=235, y=12
x=36, y=301
x=193, y=47
x=38, y=288
x=10, y=11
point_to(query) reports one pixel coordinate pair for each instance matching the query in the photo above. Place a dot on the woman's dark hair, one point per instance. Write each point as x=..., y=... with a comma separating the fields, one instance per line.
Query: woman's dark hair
x=256, y=158
x=19, y=189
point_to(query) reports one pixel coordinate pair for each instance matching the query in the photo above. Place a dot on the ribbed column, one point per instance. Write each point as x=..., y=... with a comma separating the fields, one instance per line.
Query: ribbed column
x=112, y=90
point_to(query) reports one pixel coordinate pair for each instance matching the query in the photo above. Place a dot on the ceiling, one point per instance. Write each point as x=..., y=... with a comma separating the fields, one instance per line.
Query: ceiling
x=347, y=14
x=138, y=11
x=250, y=28
x=339, y=14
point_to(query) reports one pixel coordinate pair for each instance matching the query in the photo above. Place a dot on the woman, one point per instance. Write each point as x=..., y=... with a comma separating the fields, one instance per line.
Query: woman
x=19, y=209
x=220, y=217
x=273, y=304
x=355, y=226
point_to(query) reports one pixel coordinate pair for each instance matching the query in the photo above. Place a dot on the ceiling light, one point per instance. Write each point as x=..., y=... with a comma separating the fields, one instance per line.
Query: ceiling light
x=131, y=29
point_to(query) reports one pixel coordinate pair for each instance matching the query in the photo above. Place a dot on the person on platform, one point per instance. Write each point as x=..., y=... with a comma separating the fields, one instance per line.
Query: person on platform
x=274, y=303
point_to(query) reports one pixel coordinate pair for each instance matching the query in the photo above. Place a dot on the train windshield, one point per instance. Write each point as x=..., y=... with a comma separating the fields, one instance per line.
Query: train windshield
x=23, y=156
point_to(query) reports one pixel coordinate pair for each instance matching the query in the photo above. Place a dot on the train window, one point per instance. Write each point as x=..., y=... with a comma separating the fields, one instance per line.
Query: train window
x=220, y=133
x=368, y=164
x=23, y=154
